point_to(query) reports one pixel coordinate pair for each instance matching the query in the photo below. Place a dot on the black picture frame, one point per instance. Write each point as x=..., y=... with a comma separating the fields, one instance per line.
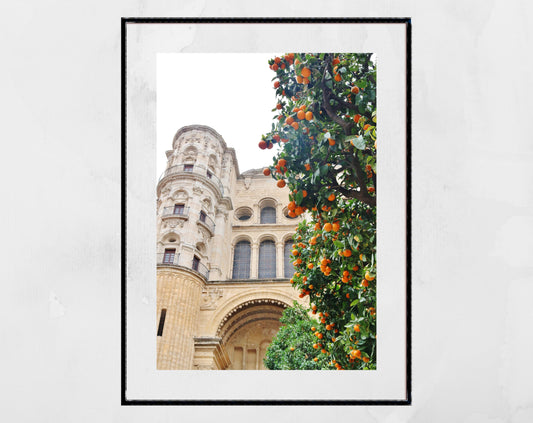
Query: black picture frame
x=241, y=402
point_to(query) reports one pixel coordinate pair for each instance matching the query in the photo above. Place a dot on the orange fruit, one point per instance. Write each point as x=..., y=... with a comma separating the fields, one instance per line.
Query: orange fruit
x=369, y=277
x=297, y=62
x=335, y=227
x=331, y=141
x=364, y=283
x=309, y=115
x=356, y=118
x=291, y=205
x=366, y=359
x=281, y=183
x=335, y=61
x=338, y=77
x=357, y=328
x=327, y=227
x=307, y=166
x=278, y=106
x=331, y=197
x=306, y=72
x=371, y=189
x=299, y=79
x=276, y=84
x=355, y=90
x=310, y=265
x=304, y=193
x=312, y=241
x=295, y=253
x=300, y=115
x=289, y=120
x=266, y=171
x=282, y=162
x=347, y=253
x=275, y=67
x=295, y=125
x=262, y=145
x=315, y=346
x=366, y=127
x=305, y=81
x=348, y=295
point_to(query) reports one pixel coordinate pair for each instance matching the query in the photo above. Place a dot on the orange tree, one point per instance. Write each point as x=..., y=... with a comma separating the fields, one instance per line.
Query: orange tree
x=326, y=128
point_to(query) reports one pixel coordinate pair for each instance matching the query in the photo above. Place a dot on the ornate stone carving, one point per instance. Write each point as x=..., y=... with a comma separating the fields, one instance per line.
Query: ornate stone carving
x=198, y=190
x=247, y=182
x=210, y=297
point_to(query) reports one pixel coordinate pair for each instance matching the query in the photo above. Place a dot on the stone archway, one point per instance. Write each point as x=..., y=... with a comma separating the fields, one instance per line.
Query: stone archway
x=248, y=329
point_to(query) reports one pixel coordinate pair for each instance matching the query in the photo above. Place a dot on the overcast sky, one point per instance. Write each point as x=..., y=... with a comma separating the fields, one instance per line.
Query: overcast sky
x=231, y=93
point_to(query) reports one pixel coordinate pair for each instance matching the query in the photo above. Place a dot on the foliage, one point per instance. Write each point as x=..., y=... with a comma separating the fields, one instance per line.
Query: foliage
x=292, y=347
x=326, y=128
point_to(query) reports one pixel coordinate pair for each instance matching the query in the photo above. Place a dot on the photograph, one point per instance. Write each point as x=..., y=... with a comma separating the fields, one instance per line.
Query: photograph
x=266, y=231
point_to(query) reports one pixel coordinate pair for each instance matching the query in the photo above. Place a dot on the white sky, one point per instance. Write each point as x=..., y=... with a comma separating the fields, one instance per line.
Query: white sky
x=231, y=93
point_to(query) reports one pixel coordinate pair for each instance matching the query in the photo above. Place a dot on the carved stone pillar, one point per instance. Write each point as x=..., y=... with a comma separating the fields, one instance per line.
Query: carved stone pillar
x=254, y=261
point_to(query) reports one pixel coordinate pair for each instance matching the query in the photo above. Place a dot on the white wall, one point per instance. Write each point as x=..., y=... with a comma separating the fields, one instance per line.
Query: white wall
x=472, y=211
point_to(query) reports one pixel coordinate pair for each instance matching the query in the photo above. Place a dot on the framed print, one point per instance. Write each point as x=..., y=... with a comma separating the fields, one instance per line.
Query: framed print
x=266, y=211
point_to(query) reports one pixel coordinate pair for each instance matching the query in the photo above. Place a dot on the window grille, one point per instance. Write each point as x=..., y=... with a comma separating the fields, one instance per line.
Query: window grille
x=169, y=255
x=202, y=216
x=268, y=215
x=288, y=266
x=195, y=263
x=179, y=208
x=267, y=259
x=241, y=260
x=161, y=322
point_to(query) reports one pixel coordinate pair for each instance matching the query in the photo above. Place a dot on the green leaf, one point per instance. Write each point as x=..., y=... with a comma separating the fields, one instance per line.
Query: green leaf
x=358, y=142
x=299, y=197
x=324, y=170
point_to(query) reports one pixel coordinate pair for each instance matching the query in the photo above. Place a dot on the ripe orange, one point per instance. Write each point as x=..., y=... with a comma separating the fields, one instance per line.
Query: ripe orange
x=369, y=277
x=357, y=328
x=313, y=329
x=312, y=241
x=305, y=81
x=338, y=77
x=262, y=144
x=304, y=193
x=371, y=189
x=366, y=359
x=276, y=84
x=356, y=118
x=335, y=227
x=310, y=265
x=289, y=120
x=348, y=295
x=306, y=72
x=331, y=141
x=355, y=90
x=266, y=171
x=281, y=183
x=315, y=359
x=300, y=115
x=297, y=62
x=331, y=197
x=364, y=283
x=315, y=346
x=282, y=162
x=299, y=79
x=327, y=227
x=366, y=127
x=295, y=253
x=291, y=205
x=309, y=115
x=347, y=253
x=307, y=166
x=275, y=67
x=335, y=61
x=278, y=106
x=295, y=125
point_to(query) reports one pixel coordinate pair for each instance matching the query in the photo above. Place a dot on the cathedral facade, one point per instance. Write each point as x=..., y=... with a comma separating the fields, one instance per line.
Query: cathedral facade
x=224, y=240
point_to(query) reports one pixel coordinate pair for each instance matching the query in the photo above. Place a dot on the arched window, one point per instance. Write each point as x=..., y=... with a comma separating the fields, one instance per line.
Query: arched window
x=241, y=260
x=288, y=267
x=268, y=215
x=267, y=259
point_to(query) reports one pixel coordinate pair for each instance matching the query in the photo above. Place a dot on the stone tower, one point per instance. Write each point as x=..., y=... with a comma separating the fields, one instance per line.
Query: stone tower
x=222, y=265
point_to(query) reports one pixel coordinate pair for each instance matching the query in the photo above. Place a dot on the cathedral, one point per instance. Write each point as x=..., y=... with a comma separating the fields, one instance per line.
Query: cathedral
x=224, y=240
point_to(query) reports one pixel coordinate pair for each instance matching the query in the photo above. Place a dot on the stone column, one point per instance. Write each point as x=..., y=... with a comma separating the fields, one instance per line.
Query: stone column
x=254, y=261
x=279, y=259
x=179, y=292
